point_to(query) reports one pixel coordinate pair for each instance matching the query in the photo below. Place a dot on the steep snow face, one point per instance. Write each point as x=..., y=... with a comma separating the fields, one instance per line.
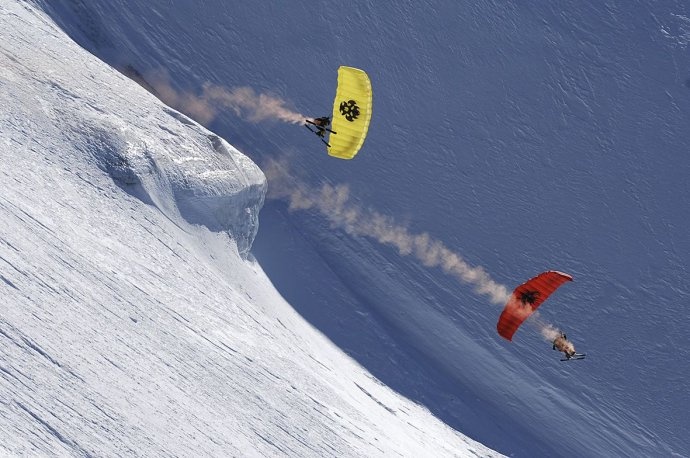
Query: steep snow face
x=131, y=325
x=526, y=136
x=155, y=154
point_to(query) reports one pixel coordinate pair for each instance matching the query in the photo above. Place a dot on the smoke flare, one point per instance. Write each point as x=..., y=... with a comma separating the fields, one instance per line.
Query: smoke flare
x=333, y=203
x=244, y=101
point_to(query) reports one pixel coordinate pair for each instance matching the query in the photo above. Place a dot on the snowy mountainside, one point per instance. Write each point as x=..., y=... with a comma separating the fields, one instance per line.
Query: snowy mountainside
x=526, y=136
x=132, y=322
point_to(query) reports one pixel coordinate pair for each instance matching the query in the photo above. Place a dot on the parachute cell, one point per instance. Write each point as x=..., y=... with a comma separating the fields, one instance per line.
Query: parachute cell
x=526, y=298
x=351, y=112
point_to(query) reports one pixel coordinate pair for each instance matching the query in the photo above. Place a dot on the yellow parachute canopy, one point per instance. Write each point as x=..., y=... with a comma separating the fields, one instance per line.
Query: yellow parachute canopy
x=351, y=112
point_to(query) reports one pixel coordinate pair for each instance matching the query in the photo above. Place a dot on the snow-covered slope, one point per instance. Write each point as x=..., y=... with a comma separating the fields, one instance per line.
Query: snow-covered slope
x=131, y=322
x=524, y=136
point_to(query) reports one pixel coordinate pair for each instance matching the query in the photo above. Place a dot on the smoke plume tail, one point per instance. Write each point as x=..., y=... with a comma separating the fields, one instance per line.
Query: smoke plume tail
x=334, y=203
x=203, y=107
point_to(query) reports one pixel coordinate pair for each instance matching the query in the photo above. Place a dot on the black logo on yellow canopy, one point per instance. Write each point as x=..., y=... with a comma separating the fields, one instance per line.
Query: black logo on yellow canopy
x=349, y=110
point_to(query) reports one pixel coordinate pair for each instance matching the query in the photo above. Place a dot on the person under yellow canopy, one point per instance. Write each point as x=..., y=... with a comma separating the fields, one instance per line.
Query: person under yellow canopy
x=351, y=114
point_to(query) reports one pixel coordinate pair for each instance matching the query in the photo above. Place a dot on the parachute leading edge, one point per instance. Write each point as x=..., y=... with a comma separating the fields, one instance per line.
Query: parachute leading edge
x=351, y=112
x=526, y=298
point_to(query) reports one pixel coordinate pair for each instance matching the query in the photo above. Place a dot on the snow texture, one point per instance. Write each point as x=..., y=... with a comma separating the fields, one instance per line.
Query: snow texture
x=134, y=321
x=521, y=136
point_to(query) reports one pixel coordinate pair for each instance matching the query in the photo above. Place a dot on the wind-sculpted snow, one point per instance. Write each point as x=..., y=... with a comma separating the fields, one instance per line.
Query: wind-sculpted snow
x=159, y=155
x=130, y=324
x=189, y=173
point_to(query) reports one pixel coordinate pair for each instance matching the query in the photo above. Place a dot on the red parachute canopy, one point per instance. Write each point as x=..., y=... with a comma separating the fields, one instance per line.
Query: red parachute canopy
x=526, y=298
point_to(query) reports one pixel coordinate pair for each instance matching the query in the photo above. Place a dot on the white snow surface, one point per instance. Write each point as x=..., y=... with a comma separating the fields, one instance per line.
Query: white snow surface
x=134, y=320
